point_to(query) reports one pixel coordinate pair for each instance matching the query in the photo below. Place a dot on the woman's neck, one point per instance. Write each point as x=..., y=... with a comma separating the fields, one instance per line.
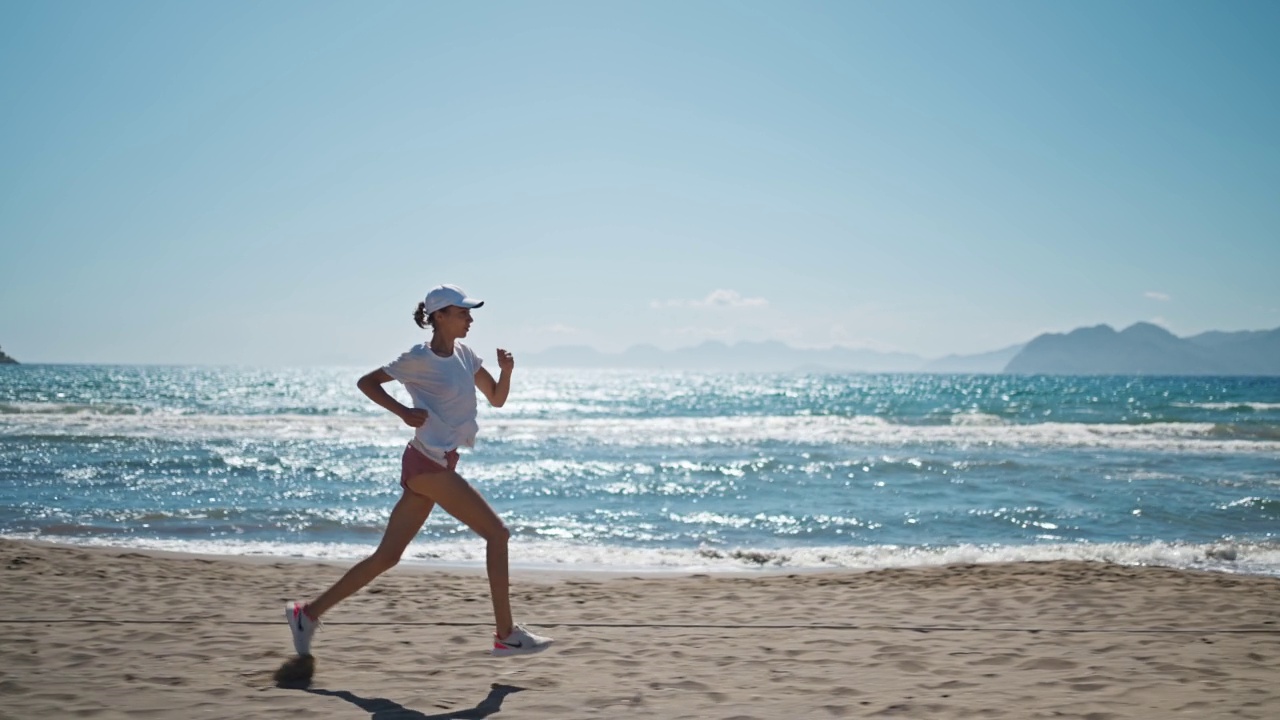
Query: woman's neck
x=442, y=345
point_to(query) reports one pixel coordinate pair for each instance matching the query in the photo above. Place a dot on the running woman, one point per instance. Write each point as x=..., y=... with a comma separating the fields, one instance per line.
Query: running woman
x=442, y=377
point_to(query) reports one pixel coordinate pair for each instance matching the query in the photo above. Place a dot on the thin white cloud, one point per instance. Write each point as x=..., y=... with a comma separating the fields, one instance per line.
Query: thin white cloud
x=715, y=299
x=1155, y=295
x=559, y=329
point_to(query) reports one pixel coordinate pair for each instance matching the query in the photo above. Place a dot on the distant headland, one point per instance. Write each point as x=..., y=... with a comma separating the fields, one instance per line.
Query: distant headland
x=1141, y=349
x=6, y=360
x=1146, y=349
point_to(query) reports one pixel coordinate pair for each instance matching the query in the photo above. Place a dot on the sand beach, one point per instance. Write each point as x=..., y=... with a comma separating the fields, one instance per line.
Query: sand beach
x=112, y=633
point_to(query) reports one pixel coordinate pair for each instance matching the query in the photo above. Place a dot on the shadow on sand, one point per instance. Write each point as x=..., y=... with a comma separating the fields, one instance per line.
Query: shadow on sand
x=296, y=674
x=384, y=709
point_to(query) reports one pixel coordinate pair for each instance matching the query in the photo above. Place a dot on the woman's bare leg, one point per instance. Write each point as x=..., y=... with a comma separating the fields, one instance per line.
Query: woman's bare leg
x=406, y=520
x=456, y=496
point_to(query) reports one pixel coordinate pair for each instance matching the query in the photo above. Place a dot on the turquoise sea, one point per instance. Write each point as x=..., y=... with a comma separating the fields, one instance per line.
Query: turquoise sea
x=660, y=471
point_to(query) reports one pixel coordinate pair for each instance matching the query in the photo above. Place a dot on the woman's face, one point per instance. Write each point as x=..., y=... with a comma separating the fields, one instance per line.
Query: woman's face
x=454, y=321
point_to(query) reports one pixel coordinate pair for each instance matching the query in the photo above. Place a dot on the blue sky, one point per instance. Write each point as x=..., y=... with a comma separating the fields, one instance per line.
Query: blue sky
x=280, y=183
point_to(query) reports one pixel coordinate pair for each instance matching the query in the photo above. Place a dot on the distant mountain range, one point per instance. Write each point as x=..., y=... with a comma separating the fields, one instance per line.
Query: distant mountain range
x=6, y=360
x=1146, y=349
x=1141, y=349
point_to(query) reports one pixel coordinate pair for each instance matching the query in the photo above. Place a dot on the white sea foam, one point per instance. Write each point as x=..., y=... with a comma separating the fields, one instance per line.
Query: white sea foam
x=976, y=418
x=46, y=408
x=375, y=430
x=872, y=431
x=1258, y=406
x=1245, y=558
x=673, y=432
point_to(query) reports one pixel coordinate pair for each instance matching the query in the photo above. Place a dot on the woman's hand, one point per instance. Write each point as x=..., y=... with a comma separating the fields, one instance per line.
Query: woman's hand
x=505, y=360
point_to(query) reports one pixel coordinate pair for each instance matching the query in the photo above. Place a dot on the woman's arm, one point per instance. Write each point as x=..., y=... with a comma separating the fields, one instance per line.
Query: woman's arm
x=371, y=385
x=497, y=390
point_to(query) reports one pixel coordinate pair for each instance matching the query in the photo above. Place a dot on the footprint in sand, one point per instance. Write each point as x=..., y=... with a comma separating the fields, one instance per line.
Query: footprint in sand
x=1048, y=664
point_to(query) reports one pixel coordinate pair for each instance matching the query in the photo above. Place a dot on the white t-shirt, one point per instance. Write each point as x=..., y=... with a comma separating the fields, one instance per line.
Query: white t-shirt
x=446, y=388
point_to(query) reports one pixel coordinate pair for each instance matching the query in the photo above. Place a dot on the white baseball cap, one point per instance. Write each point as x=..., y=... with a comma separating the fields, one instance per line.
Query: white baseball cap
x=443, y=296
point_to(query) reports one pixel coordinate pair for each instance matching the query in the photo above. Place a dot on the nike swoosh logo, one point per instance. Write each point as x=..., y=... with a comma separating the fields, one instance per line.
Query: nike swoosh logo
x=514, y=645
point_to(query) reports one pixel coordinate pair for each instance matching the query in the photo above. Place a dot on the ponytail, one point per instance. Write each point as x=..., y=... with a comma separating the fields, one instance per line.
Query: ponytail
x=420, y=315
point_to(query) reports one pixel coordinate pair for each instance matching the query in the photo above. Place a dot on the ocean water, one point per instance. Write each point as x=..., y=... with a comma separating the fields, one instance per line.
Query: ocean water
x=652, y=471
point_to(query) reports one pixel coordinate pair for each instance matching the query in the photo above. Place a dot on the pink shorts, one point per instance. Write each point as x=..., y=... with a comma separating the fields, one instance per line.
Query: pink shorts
x=413, y=462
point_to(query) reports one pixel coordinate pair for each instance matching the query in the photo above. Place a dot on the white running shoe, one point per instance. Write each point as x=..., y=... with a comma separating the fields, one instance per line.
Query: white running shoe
x=303, y=627
x=519, y=642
